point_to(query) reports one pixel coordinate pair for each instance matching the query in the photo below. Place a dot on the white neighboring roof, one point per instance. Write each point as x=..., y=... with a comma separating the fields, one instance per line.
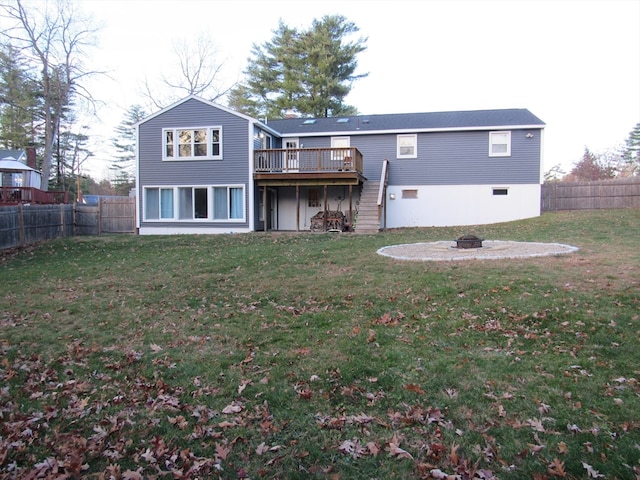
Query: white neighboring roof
x=11, y=164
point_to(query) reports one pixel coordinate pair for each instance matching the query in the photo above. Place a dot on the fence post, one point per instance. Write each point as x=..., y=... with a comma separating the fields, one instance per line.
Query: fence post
x=21, y=232
x=100, y=216
x=62, y=223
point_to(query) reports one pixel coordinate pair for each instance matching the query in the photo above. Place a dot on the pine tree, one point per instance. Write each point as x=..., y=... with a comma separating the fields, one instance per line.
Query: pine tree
x=19, y=100
x=631, y=153
x=309, y=71
x=124, y=143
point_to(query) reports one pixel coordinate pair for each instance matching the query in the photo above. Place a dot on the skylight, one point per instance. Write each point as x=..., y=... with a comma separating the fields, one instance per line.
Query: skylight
x=342, y=120
x=309, y=121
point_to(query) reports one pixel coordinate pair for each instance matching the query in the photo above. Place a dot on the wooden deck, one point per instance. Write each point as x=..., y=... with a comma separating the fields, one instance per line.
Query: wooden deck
x=311, y=166
x=31, y=195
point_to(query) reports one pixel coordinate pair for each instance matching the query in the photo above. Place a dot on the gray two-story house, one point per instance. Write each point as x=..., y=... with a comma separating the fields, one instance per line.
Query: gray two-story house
x=204, y=168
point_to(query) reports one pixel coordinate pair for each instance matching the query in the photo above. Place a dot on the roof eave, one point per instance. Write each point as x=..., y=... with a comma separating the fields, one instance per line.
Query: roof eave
x=412, y=130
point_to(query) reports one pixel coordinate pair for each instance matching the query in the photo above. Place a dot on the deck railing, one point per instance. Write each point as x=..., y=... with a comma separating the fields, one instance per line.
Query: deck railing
x=308, y=160
x=16, y=195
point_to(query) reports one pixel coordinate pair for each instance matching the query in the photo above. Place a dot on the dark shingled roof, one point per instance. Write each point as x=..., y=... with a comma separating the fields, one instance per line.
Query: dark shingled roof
x=408, y=121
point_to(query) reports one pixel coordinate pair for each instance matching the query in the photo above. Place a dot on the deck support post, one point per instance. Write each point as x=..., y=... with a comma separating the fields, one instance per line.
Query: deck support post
x=264, y=207
x=324, y=217
x=297, y=208
x=351, y=206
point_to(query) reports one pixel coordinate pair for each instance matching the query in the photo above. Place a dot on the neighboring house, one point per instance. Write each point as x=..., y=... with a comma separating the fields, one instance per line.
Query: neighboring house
x=204, y=168
x=17, y=169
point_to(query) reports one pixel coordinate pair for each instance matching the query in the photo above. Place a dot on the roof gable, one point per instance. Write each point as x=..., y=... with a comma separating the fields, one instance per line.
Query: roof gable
x=14, y=154
x=198, y=99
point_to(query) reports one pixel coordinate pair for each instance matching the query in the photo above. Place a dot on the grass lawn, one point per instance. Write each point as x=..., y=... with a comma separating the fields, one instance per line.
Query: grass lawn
x=310, y=356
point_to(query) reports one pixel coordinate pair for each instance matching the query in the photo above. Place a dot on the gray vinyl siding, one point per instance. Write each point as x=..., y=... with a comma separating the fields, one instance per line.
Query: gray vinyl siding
x=232, y=169
x=448, y=158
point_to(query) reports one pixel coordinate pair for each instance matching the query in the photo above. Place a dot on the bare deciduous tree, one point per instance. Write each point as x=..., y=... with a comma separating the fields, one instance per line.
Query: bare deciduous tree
x=198, y=73
x=56, y=38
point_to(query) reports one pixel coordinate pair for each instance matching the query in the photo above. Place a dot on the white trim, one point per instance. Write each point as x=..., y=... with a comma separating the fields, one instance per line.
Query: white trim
x=415, y=130
x=210, y=204
x=180, y=230
x=250, y=182
x=500, y=133
x=176, y=144
x=413, y=136
x=138, y=186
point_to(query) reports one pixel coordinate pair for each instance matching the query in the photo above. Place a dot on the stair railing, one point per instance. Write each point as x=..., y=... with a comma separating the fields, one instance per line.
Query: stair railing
x=382, y=193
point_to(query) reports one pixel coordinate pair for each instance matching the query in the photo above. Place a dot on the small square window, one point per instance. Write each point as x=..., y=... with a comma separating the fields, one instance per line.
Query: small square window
x=409, y=193
x=499, y=144
x=407, y=146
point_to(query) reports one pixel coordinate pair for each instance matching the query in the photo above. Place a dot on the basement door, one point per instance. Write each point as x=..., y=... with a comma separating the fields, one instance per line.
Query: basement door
x=272, y=207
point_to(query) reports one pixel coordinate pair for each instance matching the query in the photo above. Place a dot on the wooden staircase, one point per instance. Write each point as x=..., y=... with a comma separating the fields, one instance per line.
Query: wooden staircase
x=367, y=220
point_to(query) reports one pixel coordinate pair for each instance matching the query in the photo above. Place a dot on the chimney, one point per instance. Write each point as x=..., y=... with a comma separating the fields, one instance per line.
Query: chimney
x=31, y=157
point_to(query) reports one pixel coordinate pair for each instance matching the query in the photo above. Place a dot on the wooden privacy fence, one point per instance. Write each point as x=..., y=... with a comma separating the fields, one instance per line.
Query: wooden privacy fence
x=111, y=215
x=621, y=193
x=22, y=225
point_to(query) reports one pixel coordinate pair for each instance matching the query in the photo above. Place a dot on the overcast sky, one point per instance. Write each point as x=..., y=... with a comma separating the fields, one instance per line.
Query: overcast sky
x=573, y=63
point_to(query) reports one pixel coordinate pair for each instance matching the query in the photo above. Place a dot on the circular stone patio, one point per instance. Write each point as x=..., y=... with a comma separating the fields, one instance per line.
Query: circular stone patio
x=490, y=250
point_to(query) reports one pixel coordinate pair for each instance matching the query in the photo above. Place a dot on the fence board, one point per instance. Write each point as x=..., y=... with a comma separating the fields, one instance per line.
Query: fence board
x=118, y=215
x=621, y=193
x=25, y=224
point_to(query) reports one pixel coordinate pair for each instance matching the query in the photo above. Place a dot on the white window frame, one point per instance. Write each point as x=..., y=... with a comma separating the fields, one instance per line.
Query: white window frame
x=160, y=218
x=498, y=138
x=340, y=142
x=176, y=205
x=401, y=143
x=175, y=157
x=228, y=219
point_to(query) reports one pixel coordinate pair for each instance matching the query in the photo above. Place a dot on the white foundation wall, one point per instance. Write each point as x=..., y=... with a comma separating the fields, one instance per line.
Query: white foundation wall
x=458, y=205
x=176, y=230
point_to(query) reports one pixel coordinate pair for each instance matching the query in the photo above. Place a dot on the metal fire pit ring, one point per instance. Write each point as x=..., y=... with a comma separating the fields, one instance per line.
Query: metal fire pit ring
x=468, y=241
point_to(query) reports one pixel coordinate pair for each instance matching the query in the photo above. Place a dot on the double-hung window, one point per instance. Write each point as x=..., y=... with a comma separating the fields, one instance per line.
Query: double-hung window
x=407, y=146
x=193, y=143
x=499, y=144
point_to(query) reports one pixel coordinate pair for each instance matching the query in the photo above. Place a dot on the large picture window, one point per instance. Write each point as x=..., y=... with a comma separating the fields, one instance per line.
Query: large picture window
x=499, y=144
x=200, y=203
x=407, y=146
x=193, y=143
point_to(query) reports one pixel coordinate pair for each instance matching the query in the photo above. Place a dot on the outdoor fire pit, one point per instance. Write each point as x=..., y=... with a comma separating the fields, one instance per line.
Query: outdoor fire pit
x=468, y=241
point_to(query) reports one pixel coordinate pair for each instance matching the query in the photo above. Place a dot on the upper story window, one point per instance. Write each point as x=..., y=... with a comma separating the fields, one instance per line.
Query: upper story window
x=499, y=144
x=407, y=146
x=193, y=143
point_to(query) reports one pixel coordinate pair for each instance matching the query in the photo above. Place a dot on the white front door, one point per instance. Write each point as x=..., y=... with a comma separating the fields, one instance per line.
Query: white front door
x=291, y=146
